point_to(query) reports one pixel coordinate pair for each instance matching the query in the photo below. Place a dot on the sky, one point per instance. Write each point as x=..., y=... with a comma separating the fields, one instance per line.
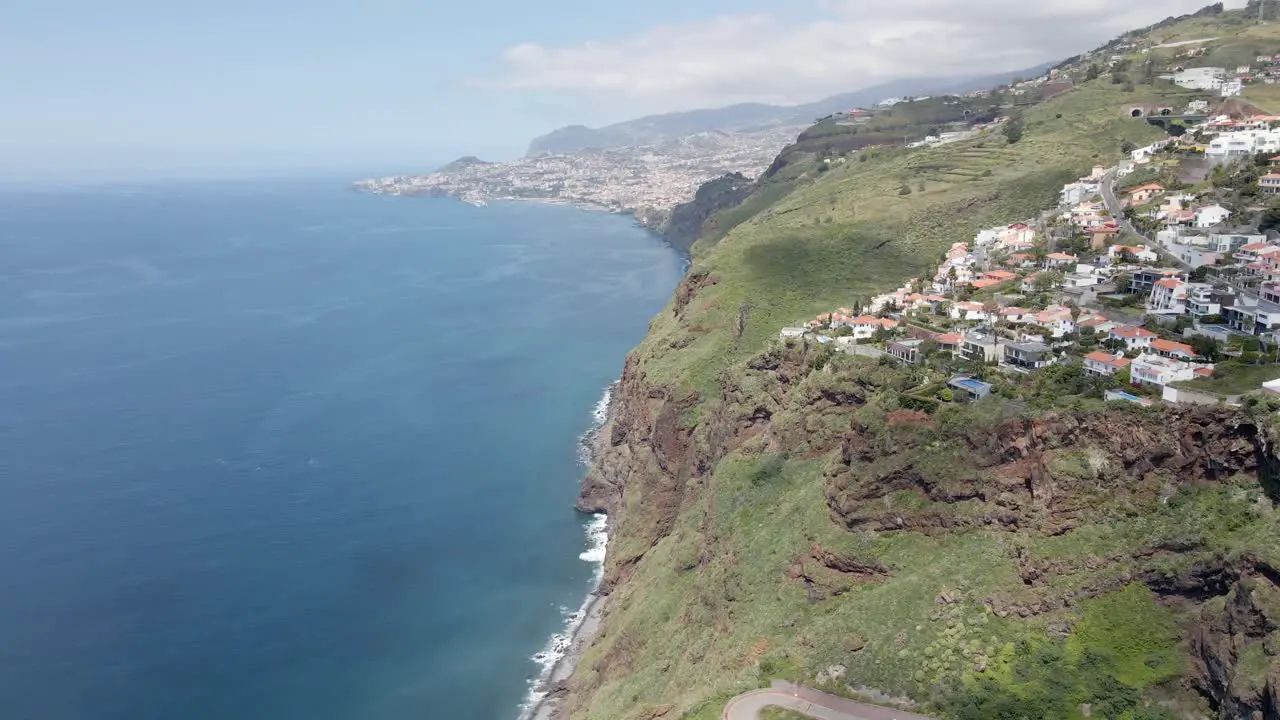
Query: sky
x=98, y=87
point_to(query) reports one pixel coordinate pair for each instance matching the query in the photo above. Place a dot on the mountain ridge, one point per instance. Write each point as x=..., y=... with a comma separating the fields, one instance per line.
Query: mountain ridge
x=743, y=117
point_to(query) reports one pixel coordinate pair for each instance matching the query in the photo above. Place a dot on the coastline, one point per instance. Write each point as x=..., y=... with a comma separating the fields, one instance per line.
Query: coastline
x=548, y=692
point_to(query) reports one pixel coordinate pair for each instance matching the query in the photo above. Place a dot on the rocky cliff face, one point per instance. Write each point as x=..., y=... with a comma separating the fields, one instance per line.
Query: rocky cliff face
x=1006, y=473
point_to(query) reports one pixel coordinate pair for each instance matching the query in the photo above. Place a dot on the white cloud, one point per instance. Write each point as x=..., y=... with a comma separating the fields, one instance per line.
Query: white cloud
x=855, y=44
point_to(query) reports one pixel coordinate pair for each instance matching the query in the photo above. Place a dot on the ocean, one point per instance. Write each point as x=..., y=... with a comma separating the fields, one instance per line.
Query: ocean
x=281, y=450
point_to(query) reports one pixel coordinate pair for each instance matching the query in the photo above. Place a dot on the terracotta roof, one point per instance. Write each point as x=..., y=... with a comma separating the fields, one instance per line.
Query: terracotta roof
x=1108, y=359
x=1170, y=346
x=1127, y=331
x=985, y=283
x=1254, y=247
x=1204, y=372
x=999, y=275
x=950, y=338
x=1170, y=283
x=1149, y=186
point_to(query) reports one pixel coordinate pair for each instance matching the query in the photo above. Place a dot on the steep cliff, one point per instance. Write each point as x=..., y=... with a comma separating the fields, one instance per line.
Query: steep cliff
x=782, y=511
x=810, y=521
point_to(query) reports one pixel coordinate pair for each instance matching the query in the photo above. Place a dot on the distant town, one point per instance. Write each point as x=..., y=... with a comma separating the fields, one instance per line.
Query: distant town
x=642, y=181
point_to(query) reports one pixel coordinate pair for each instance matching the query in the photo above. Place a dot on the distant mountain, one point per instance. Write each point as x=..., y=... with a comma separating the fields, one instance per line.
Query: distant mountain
x=462, y=163
x=754, y=116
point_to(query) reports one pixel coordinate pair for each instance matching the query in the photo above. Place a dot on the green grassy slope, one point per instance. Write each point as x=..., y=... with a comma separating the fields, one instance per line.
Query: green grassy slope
x=818, y=239
x=732, y=590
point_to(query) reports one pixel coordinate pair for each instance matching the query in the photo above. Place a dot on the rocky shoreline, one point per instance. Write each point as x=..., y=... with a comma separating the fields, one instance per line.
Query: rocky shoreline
x=556, y=687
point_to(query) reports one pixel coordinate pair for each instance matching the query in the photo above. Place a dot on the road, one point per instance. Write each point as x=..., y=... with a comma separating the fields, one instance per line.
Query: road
x=815, y=704
x=1108, y=190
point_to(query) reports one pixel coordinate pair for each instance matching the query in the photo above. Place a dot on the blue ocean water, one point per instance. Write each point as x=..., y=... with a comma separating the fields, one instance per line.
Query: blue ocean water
x=281, y=450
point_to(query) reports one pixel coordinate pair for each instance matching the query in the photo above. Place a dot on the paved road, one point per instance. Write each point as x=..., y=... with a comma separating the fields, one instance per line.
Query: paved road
x=815, y=704
x=1116, y=208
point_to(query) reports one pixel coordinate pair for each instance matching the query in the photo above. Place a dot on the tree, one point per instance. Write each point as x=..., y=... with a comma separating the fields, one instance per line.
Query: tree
x=1013, y=130
x=904, y=190
x=1093, y=73
x=1127, y=147
x=1206, y=347
x=1270, y=219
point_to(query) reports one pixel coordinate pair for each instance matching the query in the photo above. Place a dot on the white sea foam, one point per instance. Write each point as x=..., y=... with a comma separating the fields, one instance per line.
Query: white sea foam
x=597, y=531
x=599, y=414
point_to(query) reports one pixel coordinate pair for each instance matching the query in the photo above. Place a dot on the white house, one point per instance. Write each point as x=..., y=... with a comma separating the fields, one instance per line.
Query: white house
x=1059, y=260
x=1231, y=88
x=1243, y=142
x=1201, y=301
x=1168, y=297
x=1076, y=193
x=1202, y=78
x=1141, y=253
x=864, y=326
x=1148, y=369
x=969, y=311
x=1134, y=338
x=1056, y=319
x=1224, y=243
x=1104, y=363
x=1211, y=215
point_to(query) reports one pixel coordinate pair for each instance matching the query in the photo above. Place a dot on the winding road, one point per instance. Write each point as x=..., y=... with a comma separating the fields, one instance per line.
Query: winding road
x=1108, y=191
x=813, y=703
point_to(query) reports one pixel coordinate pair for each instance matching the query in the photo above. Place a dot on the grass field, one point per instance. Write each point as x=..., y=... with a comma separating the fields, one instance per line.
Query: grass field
x=1236, y=379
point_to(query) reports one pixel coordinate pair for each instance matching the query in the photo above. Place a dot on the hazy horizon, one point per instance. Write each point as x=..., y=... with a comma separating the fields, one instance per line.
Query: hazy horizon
x=144, y=87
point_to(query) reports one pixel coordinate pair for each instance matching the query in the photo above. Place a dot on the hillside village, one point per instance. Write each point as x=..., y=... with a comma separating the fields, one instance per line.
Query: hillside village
x=1144, y=284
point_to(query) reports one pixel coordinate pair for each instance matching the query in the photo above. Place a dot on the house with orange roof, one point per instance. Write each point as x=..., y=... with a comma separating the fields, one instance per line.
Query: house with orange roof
x=1151, y=369
x=973, y=311
x=1020, y=259
x=1103, y=235
x=949, y=341
x=1059, y=260
x=998, y=275
x=1104, y=363
x=1143, y=194
x=865, y=326
x=1171, y=349
x=1097, y=323
x=1056, y=319
x=984, y=283
x=1134, y=338
x=1269, y=183
x=1168, y=297
x=1014, y=314
x=1139, y=253
x=1251, y=251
